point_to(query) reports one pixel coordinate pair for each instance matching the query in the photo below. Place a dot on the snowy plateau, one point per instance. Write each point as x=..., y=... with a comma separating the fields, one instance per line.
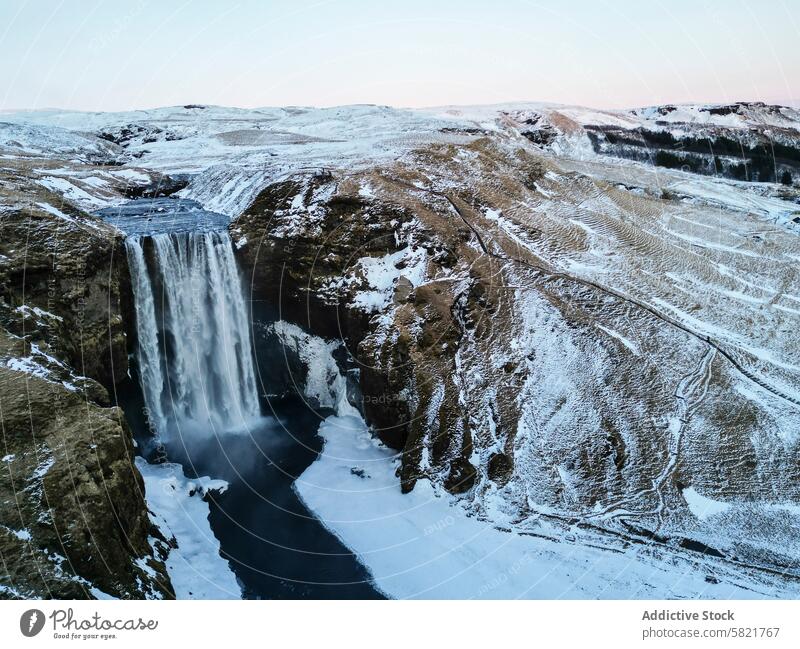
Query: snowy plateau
x=554, y=350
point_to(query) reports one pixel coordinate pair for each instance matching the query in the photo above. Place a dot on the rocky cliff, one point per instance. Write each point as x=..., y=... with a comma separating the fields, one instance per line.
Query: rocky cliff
x=73, y=520
x=749, y=141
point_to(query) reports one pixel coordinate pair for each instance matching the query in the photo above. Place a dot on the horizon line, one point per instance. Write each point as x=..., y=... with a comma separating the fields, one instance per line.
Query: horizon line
x=202, y=105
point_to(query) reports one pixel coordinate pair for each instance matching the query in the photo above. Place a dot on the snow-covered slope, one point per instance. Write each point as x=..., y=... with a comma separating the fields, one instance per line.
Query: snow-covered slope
x=743, y=141
x=27, y=139
x=231, y=152
x=423, y=545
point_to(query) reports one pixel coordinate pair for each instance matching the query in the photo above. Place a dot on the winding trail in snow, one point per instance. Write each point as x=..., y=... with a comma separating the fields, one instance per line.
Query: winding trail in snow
x=551, y=274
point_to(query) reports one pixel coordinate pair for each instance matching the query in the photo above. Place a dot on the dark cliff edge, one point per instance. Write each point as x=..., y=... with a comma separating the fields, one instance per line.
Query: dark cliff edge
x=752, y=156
x=73, y=519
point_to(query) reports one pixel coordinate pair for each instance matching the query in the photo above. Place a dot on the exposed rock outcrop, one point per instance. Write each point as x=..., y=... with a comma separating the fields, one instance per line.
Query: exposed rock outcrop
x=746, y=141
x=73, y=520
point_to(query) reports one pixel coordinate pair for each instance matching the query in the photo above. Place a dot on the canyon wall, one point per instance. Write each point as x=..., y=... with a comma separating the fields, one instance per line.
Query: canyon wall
x=74, y=519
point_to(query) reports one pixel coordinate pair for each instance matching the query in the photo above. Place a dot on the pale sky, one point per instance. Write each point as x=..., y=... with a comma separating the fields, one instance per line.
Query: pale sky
x=114, y=55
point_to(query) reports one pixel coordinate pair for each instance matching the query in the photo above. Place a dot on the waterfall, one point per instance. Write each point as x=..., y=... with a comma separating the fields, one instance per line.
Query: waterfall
x=195, y=352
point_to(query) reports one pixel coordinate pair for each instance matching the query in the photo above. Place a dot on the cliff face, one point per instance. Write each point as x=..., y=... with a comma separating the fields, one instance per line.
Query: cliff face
x=73, y=521
x=525, y=334
x=746, y=141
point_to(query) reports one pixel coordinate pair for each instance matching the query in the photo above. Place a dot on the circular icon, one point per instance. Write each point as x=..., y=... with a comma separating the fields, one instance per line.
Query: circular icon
x=31, y=622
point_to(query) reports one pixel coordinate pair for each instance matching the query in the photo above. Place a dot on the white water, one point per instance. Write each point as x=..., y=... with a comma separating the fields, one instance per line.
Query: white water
x=195, y=352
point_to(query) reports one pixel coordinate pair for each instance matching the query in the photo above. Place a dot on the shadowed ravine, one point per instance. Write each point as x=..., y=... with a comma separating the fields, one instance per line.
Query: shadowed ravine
x=276, y=547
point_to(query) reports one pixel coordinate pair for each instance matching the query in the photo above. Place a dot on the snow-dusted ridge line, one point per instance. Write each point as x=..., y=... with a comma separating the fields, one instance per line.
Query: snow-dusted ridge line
x=229, y=171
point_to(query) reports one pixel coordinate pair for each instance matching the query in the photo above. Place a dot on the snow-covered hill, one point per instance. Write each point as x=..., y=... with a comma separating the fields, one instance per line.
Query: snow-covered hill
x=231, y=152
x=744, y=141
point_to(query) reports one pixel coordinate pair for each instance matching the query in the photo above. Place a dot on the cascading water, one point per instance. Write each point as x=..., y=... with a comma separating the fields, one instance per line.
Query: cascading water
x=195, y=352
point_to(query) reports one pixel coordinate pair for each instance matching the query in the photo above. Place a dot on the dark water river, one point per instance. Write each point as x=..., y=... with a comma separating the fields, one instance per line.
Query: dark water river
x=275, y=545
x=146, y=216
